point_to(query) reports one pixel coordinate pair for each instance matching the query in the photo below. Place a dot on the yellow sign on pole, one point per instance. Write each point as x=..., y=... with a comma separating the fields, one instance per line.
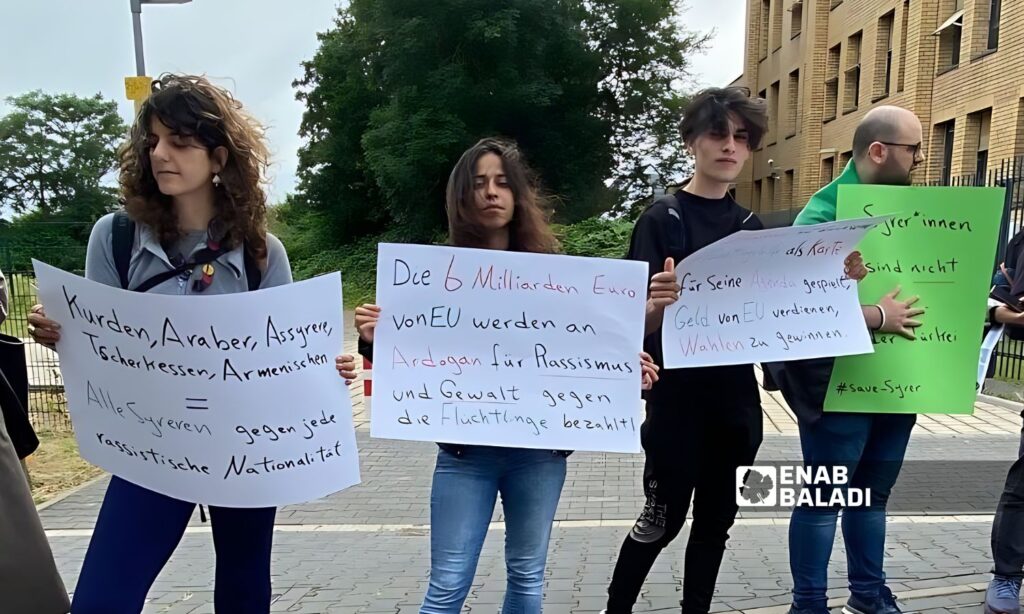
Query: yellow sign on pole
x=137, y=88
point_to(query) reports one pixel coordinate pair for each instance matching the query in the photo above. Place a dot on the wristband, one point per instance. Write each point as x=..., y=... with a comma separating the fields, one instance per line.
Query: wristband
x=881, y=313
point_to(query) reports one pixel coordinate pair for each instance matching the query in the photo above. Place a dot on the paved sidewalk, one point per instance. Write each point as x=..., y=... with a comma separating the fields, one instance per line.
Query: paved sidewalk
x=367, y=549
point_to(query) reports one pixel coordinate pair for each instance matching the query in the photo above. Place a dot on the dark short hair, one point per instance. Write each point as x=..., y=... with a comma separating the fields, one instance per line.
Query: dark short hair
x=711, y=109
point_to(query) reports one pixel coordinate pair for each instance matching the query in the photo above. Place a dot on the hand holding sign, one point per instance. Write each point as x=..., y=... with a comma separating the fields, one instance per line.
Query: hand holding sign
x=854, y=267
x=649, y=371
x=664, y=289
x=346, y=366
x=44, y=331
x=367, y=317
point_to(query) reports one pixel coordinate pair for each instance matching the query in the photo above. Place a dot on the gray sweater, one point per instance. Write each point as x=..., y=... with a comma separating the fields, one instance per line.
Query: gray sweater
x=149, y=259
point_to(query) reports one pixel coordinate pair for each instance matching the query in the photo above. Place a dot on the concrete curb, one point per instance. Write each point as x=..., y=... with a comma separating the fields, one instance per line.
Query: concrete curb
x=68, y=493
x=1014, y=406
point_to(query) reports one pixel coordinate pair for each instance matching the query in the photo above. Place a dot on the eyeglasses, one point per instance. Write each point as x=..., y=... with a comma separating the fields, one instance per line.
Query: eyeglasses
x=914, y=148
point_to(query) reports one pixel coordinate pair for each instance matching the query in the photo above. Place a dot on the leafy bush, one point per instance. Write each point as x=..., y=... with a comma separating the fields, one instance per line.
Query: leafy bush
x=596, y=237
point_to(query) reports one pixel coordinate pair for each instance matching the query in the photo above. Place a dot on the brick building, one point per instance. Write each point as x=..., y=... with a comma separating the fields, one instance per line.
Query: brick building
x=822, y=64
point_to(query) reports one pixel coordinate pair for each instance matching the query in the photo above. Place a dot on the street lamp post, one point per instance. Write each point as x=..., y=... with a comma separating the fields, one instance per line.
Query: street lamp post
x=140, y=62
x=137, y=88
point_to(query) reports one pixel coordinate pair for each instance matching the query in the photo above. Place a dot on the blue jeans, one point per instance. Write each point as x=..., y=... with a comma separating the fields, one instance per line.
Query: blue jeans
x=461, y=505
x=138, y=530
x=871, y=447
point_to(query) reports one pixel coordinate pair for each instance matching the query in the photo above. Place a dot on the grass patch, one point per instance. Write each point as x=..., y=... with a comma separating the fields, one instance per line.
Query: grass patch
x=1009, y=362
x=56, y=466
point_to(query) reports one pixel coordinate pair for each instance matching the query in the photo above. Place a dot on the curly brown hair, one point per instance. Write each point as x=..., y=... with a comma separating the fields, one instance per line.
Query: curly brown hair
x=529, y=230
x=191, y=106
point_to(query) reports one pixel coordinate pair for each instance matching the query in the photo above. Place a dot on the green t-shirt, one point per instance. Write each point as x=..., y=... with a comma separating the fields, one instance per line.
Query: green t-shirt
x=822, y=206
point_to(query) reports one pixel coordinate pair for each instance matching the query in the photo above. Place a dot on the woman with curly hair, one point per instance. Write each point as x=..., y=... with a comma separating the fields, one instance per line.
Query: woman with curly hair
x=194, y=223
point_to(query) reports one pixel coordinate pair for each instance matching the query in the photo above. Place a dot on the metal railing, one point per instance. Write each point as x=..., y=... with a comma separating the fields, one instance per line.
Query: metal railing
x=47, y=405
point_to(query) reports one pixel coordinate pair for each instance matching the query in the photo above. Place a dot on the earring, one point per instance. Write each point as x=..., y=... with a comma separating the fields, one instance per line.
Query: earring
x=216, y=179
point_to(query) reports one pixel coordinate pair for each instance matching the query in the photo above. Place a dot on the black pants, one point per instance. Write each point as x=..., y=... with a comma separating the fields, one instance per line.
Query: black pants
x=1008, y=526
x=691, y=453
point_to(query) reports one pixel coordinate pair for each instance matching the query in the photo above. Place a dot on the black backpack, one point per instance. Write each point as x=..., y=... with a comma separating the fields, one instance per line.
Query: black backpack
x=123, y=237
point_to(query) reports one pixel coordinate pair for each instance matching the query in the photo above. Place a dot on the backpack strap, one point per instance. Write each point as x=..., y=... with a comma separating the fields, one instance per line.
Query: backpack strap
x=122, y=239
x=203, y=256
x=677, y=241
x=675, y=234
x=253, y=274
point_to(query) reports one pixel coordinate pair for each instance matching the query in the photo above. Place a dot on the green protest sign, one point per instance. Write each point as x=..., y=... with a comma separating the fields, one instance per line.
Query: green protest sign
x=939, y=245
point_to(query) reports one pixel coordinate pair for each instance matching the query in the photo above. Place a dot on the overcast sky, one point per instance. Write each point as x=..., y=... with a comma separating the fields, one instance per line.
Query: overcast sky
x=252, y=47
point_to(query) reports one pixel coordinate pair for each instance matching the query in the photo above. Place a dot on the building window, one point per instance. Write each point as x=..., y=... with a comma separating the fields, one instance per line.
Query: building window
x=1018, y=147
x=883, y=55
x=950, y=33
x=985, y=27
x=787, y=188
x=762, y=43
x=903, y=45
x=827, y=172
x=844, y=159
x=773, y=111
x=796, y=18
x=994, y=12
x=946, y=132
x=834, y=3
x=792, y=102
x=763, y=95
x=851, y=76
x=770, y=193
x=755, y=199
x=777, y=25
x=982, y=123
x=832, y=83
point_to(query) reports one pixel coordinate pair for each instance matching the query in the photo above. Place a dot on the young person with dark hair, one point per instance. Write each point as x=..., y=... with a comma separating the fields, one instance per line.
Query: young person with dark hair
x=493, y=203
x=702, y=423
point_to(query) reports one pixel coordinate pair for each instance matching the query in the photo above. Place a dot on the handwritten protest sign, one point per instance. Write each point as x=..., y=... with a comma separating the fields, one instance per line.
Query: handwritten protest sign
x=767, y=295
x=228, y=400
x=940, y=246
x=508, y=349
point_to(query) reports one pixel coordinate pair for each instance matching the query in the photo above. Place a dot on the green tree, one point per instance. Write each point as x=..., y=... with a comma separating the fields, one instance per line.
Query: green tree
x=644, y=51
x=56, y=151
x=399, y=88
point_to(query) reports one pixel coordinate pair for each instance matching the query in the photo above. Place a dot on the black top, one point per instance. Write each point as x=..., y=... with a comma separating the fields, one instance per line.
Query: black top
x=703, y=221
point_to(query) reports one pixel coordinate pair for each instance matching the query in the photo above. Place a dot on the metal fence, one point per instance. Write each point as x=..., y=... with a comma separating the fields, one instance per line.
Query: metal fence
x=47, y=403
x=1009, y=354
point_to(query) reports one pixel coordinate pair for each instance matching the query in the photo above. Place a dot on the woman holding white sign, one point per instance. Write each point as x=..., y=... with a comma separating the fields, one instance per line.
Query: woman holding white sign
x=492, y=203
x=194, y=224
